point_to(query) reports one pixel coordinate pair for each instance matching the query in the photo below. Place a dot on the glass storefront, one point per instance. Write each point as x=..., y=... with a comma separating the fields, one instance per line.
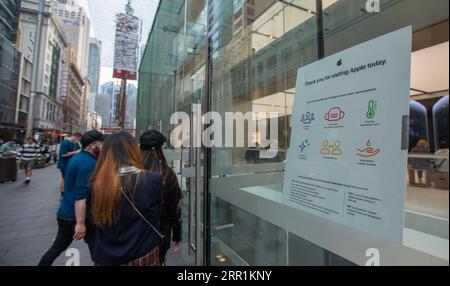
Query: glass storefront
x=9, y=80
x=243, y=56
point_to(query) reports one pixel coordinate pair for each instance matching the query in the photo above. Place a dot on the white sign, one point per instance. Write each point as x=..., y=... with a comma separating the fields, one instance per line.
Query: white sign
x=348, y=155
x=128, y=30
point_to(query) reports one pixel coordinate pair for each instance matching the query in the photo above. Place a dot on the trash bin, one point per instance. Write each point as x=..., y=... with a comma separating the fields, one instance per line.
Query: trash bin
x=8, y=169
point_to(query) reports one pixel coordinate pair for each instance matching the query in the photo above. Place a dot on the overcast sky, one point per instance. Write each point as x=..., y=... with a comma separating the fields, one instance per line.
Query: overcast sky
x=102, y=13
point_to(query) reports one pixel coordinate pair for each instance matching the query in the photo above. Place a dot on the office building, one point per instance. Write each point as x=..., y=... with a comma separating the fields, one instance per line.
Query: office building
x=74, y=100
x=103, y=105
x=95, y=47
x=51, y=63
x=10, y=57
x=76, y=25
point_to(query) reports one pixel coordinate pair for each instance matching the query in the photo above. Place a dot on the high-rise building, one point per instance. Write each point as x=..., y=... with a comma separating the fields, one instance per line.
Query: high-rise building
x=76, y=25
x=50, y=90
x=94, y=71
x=130, y=115
x=10, y=59
x=103, y=103
x=106, y=105
x=85, y=104
x=95, y=49
x=73, y=102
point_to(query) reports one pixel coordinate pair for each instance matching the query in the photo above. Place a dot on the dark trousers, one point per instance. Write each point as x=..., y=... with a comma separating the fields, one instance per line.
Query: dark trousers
x=64, y=238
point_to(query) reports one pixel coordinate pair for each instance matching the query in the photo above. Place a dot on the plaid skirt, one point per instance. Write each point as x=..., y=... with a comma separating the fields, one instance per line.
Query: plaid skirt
x=150, y=259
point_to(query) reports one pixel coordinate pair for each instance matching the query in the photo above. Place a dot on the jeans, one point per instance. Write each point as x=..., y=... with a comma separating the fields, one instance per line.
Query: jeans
x=64, y=238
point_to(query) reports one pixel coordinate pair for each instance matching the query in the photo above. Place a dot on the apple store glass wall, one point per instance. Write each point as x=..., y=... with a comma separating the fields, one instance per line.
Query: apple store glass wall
x=243, y=56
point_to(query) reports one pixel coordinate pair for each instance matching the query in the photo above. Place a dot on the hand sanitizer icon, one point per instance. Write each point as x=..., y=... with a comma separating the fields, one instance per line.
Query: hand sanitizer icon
x=372, y=109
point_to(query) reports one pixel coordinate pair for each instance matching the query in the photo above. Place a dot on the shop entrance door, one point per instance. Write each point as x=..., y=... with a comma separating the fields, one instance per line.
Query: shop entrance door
x=192, y=179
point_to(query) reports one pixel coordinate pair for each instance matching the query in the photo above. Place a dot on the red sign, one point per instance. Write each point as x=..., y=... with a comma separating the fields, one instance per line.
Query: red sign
x=123, y=74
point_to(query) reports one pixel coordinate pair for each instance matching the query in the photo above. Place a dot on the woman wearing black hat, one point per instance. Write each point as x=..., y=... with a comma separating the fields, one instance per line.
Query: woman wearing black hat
x=125, y=203
x=154, y=160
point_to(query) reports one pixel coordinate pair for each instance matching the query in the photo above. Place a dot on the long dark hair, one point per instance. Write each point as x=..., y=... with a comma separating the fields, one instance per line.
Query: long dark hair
x=154, y=161
x=119, y=150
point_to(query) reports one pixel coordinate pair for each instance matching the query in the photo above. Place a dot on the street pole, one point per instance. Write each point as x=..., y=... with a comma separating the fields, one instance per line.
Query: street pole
x=36, y=53
x=123, y=105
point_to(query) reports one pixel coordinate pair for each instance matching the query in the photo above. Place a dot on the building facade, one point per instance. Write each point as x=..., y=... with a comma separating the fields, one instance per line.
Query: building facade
x=73, y=102
x=94, y=72
x=94, y=121
x=23, y=99
x=10, y=59
x=9, y=19
x=109, y=93
x=243, y=56
x=103, y=105
x=76, y=25
x=51, y=63
x=95, y=53
x=85, y=105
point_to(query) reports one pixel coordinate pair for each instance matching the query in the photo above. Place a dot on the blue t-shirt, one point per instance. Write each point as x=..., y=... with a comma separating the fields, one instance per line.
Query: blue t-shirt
x=76, y=183
x=67, y=146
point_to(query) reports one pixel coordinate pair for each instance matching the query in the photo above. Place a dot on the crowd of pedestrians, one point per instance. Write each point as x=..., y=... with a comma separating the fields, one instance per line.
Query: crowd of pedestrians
x=118, y=196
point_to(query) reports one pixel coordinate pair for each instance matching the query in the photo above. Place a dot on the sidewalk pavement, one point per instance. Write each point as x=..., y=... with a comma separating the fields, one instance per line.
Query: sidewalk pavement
x=28, y=221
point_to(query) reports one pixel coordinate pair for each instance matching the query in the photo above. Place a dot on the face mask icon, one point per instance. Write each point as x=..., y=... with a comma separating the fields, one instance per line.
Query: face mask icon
x=335, y=114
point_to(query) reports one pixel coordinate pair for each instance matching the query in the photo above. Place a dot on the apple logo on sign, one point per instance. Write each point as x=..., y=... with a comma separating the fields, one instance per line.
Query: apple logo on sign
x=339, y=63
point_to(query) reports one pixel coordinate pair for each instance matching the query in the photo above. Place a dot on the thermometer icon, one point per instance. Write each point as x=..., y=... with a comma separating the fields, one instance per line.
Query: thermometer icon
x=372, y=109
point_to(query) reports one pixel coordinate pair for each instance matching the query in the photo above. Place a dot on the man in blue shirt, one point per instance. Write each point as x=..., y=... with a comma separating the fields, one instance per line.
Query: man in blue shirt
x=67, y=150
x=71, y=215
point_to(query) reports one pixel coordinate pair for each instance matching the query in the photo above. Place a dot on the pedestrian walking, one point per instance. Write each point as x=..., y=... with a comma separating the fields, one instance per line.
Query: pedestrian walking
x=151, y=144
x=28, y=155
x=125, y=203
x=73, y=223
x=67, y=150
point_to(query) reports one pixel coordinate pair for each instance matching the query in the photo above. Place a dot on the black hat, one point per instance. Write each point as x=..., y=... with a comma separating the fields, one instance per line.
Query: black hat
x=89, y=137
x=152, y=140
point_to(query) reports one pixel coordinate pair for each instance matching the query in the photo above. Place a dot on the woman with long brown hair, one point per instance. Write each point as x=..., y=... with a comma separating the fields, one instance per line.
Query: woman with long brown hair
x=125, y=202
x=154, y=160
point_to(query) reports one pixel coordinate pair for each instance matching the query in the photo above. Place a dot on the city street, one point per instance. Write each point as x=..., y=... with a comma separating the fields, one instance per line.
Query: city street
x=28, y=221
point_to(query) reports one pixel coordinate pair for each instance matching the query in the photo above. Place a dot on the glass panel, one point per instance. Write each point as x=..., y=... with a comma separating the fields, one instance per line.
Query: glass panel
x=171, y=79
x=347, y=23
x=257, y=47
x=9, y=80
x=254, y=69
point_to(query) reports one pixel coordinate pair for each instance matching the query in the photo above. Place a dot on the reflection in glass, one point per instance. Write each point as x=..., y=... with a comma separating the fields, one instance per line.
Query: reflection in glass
x=440, y=122
x=418, y=124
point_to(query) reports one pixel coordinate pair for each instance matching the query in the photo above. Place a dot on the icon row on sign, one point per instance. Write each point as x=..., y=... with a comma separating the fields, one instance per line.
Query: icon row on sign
x=337, y=114
x=334, y=148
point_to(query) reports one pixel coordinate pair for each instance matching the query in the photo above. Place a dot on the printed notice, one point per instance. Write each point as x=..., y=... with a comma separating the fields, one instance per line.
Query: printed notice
x=346, y=162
